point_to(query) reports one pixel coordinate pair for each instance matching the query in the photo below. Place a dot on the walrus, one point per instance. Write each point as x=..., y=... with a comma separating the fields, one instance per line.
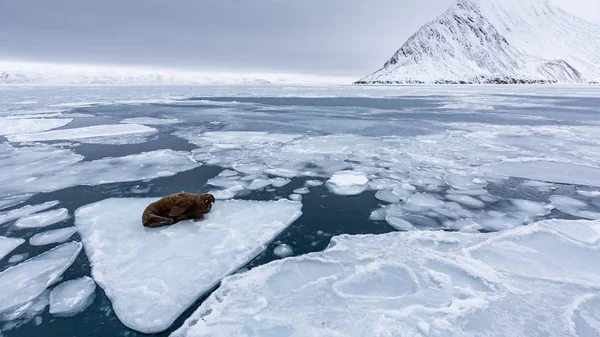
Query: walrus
x=177, y=207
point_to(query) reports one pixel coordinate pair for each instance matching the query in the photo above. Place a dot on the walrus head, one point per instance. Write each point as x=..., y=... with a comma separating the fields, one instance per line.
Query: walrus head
x=205, y=201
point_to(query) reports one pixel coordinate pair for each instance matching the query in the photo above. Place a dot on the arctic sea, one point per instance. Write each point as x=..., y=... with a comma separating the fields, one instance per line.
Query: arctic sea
x=465, y=164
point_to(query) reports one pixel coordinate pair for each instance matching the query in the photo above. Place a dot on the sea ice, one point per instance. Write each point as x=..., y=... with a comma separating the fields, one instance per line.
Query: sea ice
x=12, y=126
x=13, y=200
x=43, y=219
x=557, y=172
x=23, y=283
x=295, y=197
x=573, y=207
x=7, y=245
x=280, y=182
x=25, y=211
x=72, y=297
x=283, y=250
x=348, y=183
x=313, y=183
x=466, y=200
x=152, y=275
x=52, y=236
x=18, y=258
x=301, y=190
x=110, y=130
x=150, y=120
x=387, y=196
x=425, y=201
x=417, y=283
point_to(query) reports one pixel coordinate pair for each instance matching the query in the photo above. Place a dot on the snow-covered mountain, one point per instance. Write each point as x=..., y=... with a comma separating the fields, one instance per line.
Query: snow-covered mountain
x=27, y=73
x=497, y=41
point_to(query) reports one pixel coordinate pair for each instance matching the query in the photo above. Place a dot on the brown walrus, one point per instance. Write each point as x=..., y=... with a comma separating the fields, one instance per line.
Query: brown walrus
x=177, y=207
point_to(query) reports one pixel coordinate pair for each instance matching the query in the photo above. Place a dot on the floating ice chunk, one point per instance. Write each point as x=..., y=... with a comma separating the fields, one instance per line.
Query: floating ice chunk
x=283, y=250
x=72, y=297
x=462, y=182
x=532, y=207
x=251, y=168
x=224, y=194
x=150, y=120
x=227, y=173
x=302, y=190
x=25, y=211
x=558, y=172
x=379, y=214
x=44, y=219
x=398, y=223
x=52, y=236
x=7, y=245
x=425, y=201
x=152, y=275
x=348, y=183
x=591, y=194
x=18, y=258
x=383, y=184
x=313, y=183
x=402, y=193
x=110, y=130
x=237, y=139
x=280, y=182
x=573, y=207
x=415, y=283
x=12, y=126
x=26, y=281
x=478, y=192
x=13, y=200
x=259, y=183
x=387, y=196
x=139, y=190
x=466, y=200
x=296, y=197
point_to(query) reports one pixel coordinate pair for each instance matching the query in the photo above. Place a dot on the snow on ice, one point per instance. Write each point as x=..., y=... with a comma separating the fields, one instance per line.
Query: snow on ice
x=52, y=236
x=72, y=297
x=538, y=280
x=152, y=275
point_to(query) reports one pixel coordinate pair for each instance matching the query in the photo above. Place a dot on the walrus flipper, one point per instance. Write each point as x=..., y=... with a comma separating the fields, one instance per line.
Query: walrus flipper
x=157, y=221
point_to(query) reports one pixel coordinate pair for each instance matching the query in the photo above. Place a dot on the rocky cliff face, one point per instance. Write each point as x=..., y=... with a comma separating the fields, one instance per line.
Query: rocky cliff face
x=497, y=41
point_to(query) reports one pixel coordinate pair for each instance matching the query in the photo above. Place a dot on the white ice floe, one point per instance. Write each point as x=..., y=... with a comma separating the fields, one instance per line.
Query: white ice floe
x=529, y=281
x=52, y=236
x=301, y=190
x=557, y=172
x=466, y=200
x=44, y=219
x=150, y=120
x=573, y=207
x=18, y=258
x=25, y=211
x=43, y=168
x=13, y=200
x=387, y=196
x=152, y=275
x=109, y=130
x=348, y=183
x=23, y=283
x=12, y=126
x=591, y=194
x=295, y=197
x=72, y=297
x=313, y=183
x=283, y=250
x=7, y=245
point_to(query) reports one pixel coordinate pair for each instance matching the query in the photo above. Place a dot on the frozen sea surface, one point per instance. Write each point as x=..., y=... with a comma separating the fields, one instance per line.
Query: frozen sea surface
x=454, y=166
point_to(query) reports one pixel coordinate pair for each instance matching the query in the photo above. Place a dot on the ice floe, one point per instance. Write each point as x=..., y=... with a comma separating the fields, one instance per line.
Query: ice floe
x=573, y=207
x=25, y=211
x=109, y=130
x=348, y=183
x=43, y=168
x=150, y=120
x=313, y=183
x=557, y=172
x=44, y=219
x=283, y=250
x=528, y=281
x=22, y=284
x=18, y=258
x=152, y=275
x=302, y=190
x=295, y=197
x=52, y=236
x=7, y=245
x=72, y=297
x=12, y=126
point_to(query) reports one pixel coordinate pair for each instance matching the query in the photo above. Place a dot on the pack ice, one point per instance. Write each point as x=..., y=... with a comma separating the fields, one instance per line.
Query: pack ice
x=83, y=132
x=22, y=284
x=72, y=297
x=7, y=245
x=152, y=275
x=538, y=280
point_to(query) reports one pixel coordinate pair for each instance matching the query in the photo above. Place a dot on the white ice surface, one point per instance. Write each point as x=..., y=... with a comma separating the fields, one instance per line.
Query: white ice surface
x=52, y=236
x=557, y=172
x=44, y=219
x=348, y=183
x=7, y=245
x=23, y=283
x=573, y=207
x=72, y=297
x=150, y=121
x=11, y=126
x=25, y=211
x=152, y=275
x=283, y=250
x=110, y=130
x=531, y=281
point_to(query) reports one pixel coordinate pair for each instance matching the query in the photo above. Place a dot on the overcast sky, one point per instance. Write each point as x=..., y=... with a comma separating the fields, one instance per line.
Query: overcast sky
x=326, y=37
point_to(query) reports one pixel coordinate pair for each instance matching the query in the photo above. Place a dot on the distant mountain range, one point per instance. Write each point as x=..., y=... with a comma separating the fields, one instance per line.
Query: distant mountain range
x=497, y=41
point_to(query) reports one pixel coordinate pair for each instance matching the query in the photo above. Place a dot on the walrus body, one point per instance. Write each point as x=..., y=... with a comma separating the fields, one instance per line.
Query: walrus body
x=177, y=207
